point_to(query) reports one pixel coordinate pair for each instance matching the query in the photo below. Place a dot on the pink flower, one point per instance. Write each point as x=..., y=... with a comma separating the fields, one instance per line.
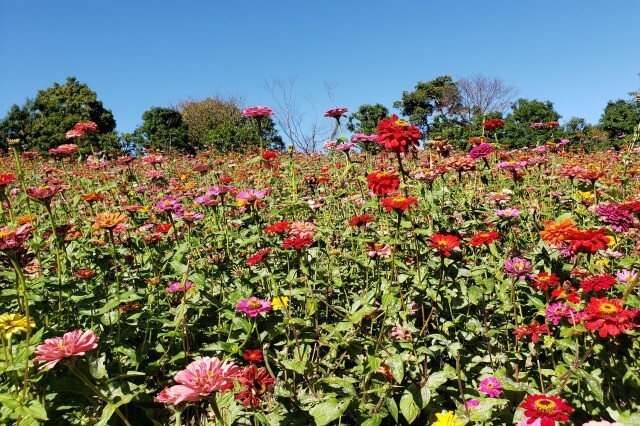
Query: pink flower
x=336, y=112
x=490, y=386
x=601, y=423
x=257, y=112
x=74, y=343
x=253, y=306
x=178, y=287
x=525, y=422
x=471, y=403
x=199, y=380
x=401, y=331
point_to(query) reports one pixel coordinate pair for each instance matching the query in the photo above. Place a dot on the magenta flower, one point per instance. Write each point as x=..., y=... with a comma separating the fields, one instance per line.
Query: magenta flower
x=336, y=112
x=190, y=216
x=179, y=287
x=168, y=204
x=612, y=214
x=626, y=276
x=556, y=311
x=481, y=151
x=253, y=306
x=471, y=403
x=257, y=112
x=199, y=380
x=401, y=331
x=508, y=213
x=74, y=343
x=251, y=195
x=517, y=267
x=491, y=387
x=345, y=146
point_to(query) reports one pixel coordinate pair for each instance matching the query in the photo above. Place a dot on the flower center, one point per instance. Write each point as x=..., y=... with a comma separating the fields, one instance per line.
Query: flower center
x=254, y=304
x=608, y=308
x=401, y=123
x=519, y=266
x=545, y=405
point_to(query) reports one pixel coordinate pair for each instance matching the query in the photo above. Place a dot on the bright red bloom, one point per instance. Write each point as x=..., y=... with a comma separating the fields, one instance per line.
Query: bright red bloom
x=268, y=155
x=545, y=281
x=255, y=383
x=258, y=256
x=297, y=242
x=493, y=124
x=551, y=124
x=398, y=203
x=483, y=238
x=534, y=330
x=163, y=228
x=397, y=135
x=561, y=293
x=587, y=241
x=252, y=355
x=598, y=282
x=382, y=183
x=444, y=243
x=547, y=408
x=361, y=220
x=278, y=228
x=608, y=317
x=6, y=178
x=74, y=343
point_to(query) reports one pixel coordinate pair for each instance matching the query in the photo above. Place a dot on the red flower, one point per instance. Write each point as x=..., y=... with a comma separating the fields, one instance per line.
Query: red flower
x=398, y=203
x=163, y=228
x=545, y=281
x=608, y=317
x=444, y=243
x=258, y=256
x=361, y=220
x=587, y=241
x=561, y=293
x=547, y=408
x=397, y=135
x=483, y=238
x=493, y=124
x=253, y=355
x=278, y=228
x=598, y=282
x=382, y=183
x=6, y=178
x=534, y=330
x=255, y=383
x=268, y=155
x=297, y=242
x=551, y=124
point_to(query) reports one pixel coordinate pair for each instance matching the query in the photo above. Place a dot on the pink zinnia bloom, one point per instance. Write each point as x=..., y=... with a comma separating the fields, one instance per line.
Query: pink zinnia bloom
x=178, y=287
x=301, y=229
x=626, y=276
x=556, y=311
x=257, y=112
x=336, y=112
x=517, y=267
x=490, y=386
x=199, y=380
x=253, y=306
x=74, y=343
x=601, y=423
x=401, y=331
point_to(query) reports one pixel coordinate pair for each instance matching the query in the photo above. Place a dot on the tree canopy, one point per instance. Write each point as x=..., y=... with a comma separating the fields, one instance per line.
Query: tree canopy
x=162, y=128
x=620, y=117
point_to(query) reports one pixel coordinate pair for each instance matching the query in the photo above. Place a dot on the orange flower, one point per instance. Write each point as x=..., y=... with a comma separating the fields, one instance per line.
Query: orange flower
x=108, y=220
x=555, y=233
x=92, y=197
x=26, y=219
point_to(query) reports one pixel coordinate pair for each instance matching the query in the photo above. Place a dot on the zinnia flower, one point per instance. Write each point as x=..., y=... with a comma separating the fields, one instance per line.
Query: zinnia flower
x=252, y=355
x=256, y=383
x=447, y=419
x=483, y=238
x=481, y=151
x=547, y=408
x=587, y=241
x=336, y=112
x=401, y=331
x=535, y=330
x=253, y=306
x=608, y=317
x=444, y=243
x=545, y=281
x=179, y=287
x=199, y=380
x=74, y=343
x=556, y=311
x=598, y=282
x=491, y=387
x=14, y=323
x=493, y=124
x=398, y=204
x=108, y=220
x=613, y=214
x=297, y=242
x=258, y=256
x=397, y=135
x=279, y=302
x=362, y=220
x=517, y=267
x=382, y=183
x=278, y=228
x=257, y=112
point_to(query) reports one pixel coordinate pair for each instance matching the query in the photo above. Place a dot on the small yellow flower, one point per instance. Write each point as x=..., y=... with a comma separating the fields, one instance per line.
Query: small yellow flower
x=241, y=202
x=612, y=240
x=279, y=302
x=584, y=194
x=447, y=419
x=14, y=323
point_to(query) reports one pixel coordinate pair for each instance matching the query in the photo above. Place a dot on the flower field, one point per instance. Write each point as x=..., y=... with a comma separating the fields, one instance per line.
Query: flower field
x=415, y=286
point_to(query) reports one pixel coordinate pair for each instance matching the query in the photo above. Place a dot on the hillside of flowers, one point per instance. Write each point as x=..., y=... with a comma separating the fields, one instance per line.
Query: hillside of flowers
x=420, y=285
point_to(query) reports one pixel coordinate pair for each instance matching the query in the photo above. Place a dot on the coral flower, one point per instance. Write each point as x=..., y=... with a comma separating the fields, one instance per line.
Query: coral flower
x=483, y=238
x=608, y=317
x=253, y=306
x=547, y=408
x=256, y=383
x=398, y=204
x=447, y=419
x=382, y=183
x=397, y=135
x=66, y=149
x=199, y=380
x=491, y=387
x=74, y=343
x=108, y=220
x=14, y=323
x=444, y=243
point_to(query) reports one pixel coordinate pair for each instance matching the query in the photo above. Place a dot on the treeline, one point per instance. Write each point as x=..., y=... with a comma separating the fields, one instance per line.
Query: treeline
x=442, y=108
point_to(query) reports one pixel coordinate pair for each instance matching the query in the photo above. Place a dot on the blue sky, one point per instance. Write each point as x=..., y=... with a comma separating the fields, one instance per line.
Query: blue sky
x=140, y=54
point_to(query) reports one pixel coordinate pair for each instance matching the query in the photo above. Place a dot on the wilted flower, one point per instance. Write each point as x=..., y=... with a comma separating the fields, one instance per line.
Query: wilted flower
x=256, y=383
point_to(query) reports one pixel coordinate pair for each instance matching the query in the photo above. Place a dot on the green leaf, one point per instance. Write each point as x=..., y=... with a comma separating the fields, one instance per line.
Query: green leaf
x=393, y=408
x=408, y=407
x=326, y=412
x=107, y=412
x=396, y=365
x=436, y=379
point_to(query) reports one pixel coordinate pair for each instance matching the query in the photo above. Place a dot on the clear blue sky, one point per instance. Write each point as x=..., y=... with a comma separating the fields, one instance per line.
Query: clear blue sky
x=136, y=54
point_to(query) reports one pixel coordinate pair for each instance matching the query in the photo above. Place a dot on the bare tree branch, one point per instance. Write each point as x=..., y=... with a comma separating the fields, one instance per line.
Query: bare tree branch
x=481, y=95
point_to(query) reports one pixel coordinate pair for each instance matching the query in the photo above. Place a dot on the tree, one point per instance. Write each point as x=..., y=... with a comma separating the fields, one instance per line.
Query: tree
x=15, y=122
x=45, y=120
x=205, y=115
x=620, y=118
x=438, y=96
x=517, y=131
x=162, y=128
x=242, y=136
x=365, y=120
x=481, y=95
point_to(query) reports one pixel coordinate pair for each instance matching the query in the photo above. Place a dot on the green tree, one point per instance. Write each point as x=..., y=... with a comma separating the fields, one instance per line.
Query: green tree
x=16, y=122
x=365, y=120
x=242, y=136
x=517, y=131
x=619, y=118
x=205, y=115
x=57, y=109
x=162, y=128
x=439, y=96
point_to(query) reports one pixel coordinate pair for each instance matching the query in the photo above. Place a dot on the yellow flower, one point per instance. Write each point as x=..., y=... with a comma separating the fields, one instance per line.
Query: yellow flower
x=447, y=419
x=584, y=194
x=240, y=202
x=14, y=323
x=612, y=240
x=280, y=302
